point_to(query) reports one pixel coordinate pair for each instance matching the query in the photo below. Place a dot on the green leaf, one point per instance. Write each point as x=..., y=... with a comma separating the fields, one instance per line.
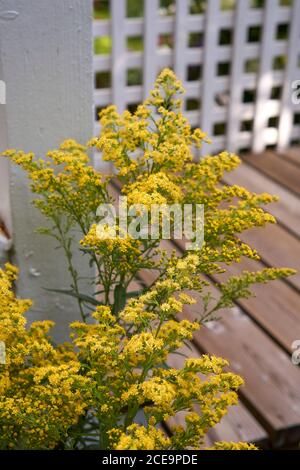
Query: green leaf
x=119, y=298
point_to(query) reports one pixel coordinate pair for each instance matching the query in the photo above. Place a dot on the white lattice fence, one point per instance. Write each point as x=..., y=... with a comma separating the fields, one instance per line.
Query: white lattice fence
x=237, y=61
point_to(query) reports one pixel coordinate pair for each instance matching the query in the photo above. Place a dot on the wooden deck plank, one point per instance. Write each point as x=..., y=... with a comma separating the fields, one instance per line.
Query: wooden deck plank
x=253, y=334
x=272, y=382
x=292, y=154
x=276, y=306
x=280, y=170
x=237, y=425
x=277, y=247
x=286, y=210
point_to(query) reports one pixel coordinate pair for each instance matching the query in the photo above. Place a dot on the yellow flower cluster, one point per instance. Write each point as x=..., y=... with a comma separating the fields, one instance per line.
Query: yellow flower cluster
x=65, y=179
x=117, y=363
x=141, y=438
x=111, y=369
x=123, y=249
x=153, y=154
x=153, y=189
x=167, y=147
x=123, y=356
x=42, y=393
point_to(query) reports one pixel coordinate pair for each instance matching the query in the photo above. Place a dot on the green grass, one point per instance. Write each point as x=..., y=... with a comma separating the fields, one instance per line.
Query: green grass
x=279, y=62
x=198, y=7
x=101, y=15
x=135, y=8
x=103, y=45
x=134, y=77
x=228, y=4
x=135, y=44
x=252, y=66
x=101, y=10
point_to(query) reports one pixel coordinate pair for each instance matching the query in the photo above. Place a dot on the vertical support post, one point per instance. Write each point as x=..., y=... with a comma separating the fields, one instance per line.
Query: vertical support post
x=46, y=53
x=209, y=63
x=5, y=213
x=180, y=38
x=150, y=40
x=236, y=82
x=264, y=83
x=118, y=14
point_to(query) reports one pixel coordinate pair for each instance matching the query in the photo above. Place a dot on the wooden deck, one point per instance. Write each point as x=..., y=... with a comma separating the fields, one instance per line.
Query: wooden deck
x=256, y=335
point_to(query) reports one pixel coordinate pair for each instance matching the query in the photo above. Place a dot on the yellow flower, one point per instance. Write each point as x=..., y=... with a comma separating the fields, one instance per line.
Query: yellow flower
x=117, y=363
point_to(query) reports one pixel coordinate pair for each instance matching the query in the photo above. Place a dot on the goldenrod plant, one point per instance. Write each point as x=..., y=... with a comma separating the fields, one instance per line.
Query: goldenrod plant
x=113, y=386
x=89, y=392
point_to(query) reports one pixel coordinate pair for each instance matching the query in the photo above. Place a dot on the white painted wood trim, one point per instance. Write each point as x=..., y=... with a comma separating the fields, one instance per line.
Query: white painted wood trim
x=264, y=83
x=236, y=82
x=150, y=45
x=208, y=70
x=180, y=39
x=118, y=13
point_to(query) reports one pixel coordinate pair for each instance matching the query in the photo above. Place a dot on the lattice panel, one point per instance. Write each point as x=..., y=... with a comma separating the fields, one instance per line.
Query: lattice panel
x=237, y=60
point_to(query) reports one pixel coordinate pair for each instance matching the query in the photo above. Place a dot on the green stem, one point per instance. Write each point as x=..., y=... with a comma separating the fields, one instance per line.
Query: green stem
x=72, y=270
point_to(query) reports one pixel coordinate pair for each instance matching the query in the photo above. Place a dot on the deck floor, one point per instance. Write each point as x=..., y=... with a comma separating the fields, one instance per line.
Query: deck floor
x=256, y=335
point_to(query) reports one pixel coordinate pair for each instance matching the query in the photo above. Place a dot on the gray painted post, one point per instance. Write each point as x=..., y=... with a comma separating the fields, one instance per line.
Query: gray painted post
x=5, y=214
x=46, y=53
